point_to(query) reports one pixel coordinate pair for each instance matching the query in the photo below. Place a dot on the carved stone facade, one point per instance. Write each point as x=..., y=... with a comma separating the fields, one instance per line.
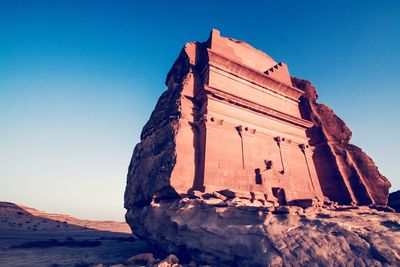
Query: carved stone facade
x=233, y=118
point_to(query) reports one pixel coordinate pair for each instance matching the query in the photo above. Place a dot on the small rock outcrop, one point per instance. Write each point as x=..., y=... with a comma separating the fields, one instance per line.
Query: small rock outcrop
x=394, y=200
x=239, y=165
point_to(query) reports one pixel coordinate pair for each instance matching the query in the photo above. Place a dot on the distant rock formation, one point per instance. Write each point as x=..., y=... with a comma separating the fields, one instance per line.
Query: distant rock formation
x=29, y=237
x=232, y=141
x=17, y=215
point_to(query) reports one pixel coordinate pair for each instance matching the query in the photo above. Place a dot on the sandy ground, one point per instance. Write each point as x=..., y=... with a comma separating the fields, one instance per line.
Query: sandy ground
x=29, y=237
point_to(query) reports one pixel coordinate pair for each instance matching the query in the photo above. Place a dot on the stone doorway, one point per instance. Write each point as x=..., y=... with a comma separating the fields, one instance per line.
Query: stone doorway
x=279, y=193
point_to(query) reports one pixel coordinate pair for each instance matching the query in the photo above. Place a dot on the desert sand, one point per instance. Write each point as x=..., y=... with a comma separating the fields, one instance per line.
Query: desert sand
x=29, y=237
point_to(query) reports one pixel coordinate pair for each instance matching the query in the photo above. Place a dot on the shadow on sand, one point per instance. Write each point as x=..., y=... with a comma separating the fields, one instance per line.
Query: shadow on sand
x=31, y=240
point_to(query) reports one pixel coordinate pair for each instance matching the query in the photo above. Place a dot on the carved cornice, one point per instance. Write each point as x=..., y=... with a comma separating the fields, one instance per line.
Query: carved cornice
x=251, y=75
x=232, y=99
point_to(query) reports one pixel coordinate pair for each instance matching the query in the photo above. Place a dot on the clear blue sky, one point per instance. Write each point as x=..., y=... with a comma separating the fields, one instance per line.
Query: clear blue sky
x=78, y=80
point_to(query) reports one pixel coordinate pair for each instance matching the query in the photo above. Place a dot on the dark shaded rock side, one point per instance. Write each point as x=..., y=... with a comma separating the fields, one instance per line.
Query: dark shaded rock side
x=394, y=200
x=354, y=168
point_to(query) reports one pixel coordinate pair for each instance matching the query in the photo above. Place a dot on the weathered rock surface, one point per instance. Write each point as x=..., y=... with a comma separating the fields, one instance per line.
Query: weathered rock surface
x=181, y=207
x=232, y=235
x=365, y=183
x=155, y=155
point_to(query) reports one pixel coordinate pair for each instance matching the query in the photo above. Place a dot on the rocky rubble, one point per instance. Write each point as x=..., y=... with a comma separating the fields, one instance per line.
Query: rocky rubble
x=148, y=259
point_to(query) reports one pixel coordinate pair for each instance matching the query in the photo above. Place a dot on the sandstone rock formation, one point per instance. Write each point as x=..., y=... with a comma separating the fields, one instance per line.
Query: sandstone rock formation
x=220, y=233
x=16, y=217
x=352, y=168
x=234, y=138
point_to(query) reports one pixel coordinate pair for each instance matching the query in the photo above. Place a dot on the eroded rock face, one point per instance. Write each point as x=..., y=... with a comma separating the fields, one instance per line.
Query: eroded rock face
x=154, y=156
x=227, y=235
x=230, y=143
x=355, y=170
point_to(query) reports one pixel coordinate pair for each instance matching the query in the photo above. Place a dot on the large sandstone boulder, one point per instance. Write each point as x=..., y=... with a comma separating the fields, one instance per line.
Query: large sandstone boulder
x=220, y=233
x=227, y=228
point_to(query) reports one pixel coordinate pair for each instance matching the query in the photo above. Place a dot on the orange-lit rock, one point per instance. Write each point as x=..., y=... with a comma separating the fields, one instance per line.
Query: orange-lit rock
x=233, y=118
x=232, y=140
